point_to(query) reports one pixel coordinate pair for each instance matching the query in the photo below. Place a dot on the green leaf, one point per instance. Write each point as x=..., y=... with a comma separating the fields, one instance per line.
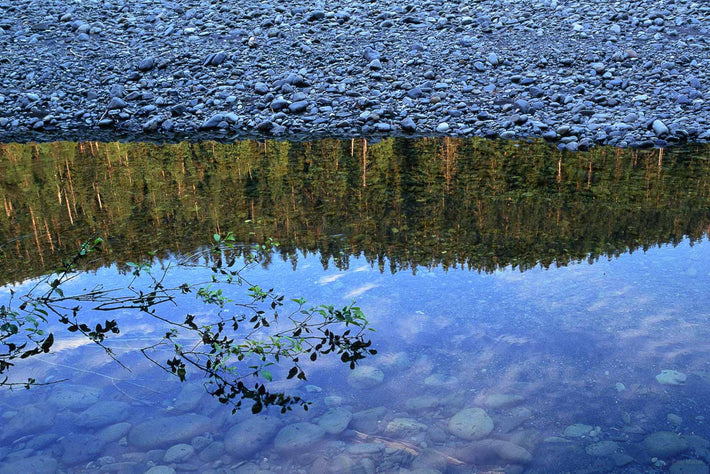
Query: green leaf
x=217, y=237
x=267, y=375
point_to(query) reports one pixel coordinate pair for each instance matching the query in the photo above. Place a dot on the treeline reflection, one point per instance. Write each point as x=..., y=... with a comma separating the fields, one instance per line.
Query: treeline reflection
x=401, y=203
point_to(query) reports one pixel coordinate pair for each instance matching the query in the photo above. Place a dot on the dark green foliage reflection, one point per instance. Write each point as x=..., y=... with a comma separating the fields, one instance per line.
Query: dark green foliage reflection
x=472, y=203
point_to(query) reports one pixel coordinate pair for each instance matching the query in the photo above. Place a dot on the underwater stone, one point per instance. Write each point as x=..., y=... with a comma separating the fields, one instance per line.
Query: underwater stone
x=493, y=451
x=577, y=430
x=368, y=421
x=298, y=436
x=664, y=444
x=497, y=401
x=35, y=465
x=602, y=448
x=246, y=438
x=103, y=414
x=471, y=424
x=404, y=426
x=114, y=432
x=178, y=453
x=163, y=432
x=74, y=397
x=336, y=420
x=160, y=470
x=365, y=376
x=689, y=466
x=671, y=377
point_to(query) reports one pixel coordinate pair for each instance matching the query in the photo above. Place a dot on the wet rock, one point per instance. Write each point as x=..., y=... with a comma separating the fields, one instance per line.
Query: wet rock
x=664, y=444
x=298, y=436
x=164, y=432
x=471, y=424
x=248, y=437
x=365, y=377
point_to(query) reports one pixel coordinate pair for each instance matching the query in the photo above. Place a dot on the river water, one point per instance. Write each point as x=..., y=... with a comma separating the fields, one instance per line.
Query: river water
x=533, y=311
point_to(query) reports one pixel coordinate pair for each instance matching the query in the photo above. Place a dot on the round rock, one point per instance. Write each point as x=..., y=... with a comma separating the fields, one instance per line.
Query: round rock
x=471, y=424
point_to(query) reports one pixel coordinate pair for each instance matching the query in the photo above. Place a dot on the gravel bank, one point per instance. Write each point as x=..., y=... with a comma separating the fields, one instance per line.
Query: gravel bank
x=577, y=73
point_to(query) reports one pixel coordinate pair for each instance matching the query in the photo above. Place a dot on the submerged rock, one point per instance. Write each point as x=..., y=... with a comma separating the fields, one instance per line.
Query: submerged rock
x=34, y=465
x=489, y=451
x=365, y=377
x=471, y=424
x=689, y=466
x=103, y=413
x=671, y=377
x=336, y=420
x=80, y=448
x=164, y=432
x=298, y=436
x=368, y=421
x=74, y=397
x=497, y=401
x=30, y=419
x=404, y=426
x=602, y=448
x=664, y=444
x=246, y=438
x=578, y=430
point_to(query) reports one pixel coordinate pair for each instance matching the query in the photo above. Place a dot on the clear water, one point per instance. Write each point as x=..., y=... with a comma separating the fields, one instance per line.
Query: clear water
x=562, y=358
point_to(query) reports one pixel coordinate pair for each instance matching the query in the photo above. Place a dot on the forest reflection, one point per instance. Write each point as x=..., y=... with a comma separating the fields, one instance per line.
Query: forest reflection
x=401, y=203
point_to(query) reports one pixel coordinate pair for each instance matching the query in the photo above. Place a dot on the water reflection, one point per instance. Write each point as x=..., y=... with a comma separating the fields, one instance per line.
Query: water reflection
x=456, y=203
x=552, y=369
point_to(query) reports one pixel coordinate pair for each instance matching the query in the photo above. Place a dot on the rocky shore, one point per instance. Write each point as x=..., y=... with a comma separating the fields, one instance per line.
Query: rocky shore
x=576, y=73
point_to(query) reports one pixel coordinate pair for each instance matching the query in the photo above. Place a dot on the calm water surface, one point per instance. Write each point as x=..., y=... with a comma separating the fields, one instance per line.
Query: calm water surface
x=524, y=304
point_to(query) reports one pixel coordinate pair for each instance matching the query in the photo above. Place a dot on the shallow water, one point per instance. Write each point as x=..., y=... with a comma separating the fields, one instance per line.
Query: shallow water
x=548, y=296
